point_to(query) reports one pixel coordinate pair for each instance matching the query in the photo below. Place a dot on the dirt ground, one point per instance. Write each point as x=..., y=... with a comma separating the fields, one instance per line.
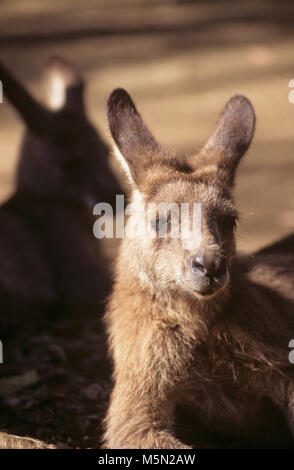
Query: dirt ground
x=181, y=61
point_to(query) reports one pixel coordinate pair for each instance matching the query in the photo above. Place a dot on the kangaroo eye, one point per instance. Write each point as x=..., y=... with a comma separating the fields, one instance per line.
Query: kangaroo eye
x=154, y=224
x=229, y=222
x=159, y=223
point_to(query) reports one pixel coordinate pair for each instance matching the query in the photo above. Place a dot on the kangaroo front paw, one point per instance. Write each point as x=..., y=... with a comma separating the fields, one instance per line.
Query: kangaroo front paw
x=8, y=441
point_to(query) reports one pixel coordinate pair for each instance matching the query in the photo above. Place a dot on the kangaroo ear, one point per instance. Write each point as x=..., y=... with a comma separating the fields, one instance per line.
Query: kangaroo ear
x=65, y=85
x=135, y=144
x=38, y=119
x=232, y=135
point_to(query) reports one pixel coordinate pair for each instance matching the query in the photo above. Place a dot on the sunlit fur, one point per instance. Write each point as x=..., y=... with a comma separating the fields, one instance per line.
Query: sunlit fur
x=219, y=356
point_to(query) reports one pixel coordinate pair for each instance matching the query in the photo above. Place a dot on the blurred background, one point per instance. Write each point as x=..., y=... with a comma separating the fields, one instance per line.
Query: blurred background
x=181, y=61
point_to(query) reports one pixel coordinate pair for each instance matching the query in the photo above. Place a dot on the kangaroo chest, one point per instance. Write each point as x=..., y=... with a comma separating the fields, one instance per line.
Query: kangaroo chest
x=223, y=389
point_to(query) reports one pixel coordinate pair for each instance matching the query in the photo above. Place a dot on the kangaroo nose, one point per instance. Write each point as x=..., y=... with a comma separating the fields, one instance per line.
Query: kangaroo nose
x=209, y=265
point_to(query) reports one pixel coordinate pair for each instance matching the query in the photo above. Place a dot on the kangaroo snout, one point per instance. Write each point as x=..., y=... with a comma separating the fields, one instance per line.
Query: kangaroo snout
x=209, y=271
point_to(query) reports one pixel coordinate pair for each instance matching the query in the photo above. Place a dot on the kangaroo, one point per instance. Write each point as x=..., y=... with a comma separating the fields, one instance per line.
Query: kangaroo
x=50, y=261
x=194, y=327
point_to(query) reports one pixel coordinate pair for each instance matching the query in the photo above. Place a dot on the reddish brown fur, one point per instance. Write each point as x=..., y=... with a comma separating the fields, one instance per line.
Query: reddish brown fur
x=221, y=354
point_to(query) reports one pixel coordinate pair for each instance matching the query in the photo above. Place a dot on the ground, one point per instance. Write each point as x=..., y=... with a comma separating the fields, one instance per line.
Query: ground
x=68, y=370
x=180, y=61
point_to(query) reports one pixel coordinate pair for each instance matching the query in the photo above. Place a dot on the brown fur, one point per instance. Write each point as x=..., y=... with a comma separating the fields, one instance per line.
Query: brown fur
x=220, y=355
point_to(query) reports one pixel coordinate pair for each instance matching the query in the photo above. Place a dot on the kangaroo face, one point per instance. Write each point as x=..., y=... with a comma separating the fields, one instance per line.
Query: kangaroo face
x=62, y=155
x=196, y=263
